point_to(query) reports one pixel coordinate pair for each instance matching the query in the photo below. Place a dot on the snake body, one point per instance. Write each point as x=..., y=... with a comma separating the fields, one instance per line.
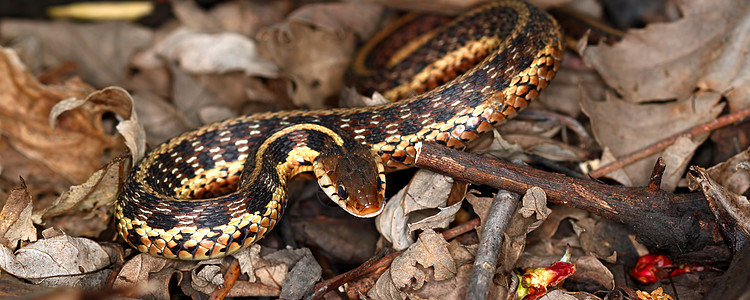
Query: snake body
x=190, y=199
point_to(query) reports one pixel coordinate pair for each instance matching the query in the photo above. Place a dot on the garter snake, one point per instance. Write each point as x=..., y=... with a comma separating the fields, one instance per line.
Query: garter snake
x=189, y=198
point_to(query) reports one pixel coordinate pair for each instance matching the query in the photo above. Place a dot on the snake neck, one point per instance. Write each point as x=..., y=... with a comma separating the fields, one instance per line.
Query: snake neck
x=154, y=218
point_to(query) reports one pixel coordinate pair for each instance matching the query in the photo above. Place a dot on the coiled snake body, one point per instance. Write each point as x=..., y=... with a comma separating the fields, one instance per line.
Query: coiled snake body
x=190, y=199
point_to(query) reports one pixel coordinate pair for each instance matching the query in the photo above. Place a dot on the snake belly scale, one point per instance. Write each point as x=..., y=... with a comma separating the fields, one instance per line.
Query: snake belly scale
x=190, y=199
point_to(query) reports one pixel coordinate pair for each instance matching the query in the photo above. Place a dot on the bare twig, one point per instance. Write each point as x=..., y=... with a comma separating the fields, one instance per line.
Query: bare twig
x=461, y=229
x=375, y=264
x=485, y=263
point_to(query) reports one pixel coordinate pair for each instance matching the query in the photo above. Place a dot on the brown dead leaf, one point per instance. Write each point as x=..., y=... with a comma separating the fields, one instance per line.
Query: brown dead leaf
x=590, y=270
x=733, y=174
x=563, y=93
x=430, y=250
x=142, y=275
x=15, y=218
x=450, y=7
x=315, y=46
x=624, y=127
x=302, y=277
x=102, y=51
x=84, y=209
x=60, y=260
x=116, y=100
x=732, y=210
x=425, y=192
x=288, y=273
x=670, y=60
x=75, y=147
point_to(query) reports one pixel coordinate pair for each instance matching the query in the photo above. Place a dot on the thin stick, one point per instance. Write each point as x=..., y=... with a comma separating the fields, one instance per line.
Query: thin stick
x=489, y=244
x=373, y=265
x=663, y=144
x=461, y=229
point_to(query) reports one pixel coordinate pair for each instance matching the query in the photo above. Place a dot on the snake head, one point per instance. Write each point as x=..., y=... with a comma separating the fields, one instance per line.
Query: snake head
x=353, y=177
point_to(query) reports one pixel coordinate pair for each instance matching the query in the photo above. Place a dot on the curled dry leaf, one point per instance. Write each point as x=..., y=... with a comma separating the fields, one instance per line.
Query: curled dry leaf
x=84, y=209
x=204, y=53
x=670, y=60
x=16, y=219
x=615, y=123
x=732, y=210
x=207, y=278
x=733, y=174
x=430, y=250
x=315, y=46
x=116, y=100
x=441, y=219
x=60, y=260
x=425, y=191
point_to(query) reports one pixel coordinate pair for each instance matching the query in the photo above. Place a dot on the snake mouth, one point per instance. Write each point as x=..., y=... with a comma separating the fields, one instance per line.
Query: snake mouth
x=367, y=209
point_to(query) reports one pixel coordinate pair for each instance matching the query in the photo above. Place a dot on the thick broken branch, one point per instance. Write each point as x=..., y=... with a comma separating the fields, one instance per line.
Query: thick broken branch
x=678, y=225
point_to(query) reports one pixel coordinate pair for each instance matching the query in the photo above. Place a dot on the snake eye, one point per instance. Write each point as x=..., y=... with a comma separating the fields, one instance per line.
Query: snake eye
x=342, y=192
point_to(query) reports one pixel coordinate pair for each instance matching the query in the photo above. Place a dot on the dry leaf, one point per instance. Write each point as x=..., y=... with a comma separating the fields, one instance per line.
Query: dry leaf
x=287, y=273
x=624, y=127
x=315, y=46
x=114, y=99
x=361, y=18
x=85, y=209
x=16, y=219
x=439, y=220
x=74, y=147
x=430, y=250
x=61, y=260
x=142, y=275
x=102, y=51
x=590, y=269
x=206, y=278
x=203, y=53
x=302, y=278
x=733, y=174
x=426, y=190
x=731, y=210
x=670, y=60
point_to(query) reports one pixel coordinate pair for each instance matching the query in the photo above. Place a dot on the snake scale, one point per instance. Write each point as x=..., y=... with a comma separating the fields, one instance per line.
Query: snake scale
x=190, y=199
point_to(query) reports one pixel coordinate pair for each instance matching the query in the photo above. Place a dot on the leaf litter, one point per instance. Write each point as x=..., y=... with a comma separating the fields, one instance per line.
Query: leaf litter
x=246, y=56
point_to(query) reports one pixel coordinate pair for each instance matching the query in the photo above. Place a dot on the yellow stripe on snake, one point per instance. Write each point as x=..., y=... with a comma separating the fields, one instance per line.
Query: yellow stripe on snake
x=189, y=198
